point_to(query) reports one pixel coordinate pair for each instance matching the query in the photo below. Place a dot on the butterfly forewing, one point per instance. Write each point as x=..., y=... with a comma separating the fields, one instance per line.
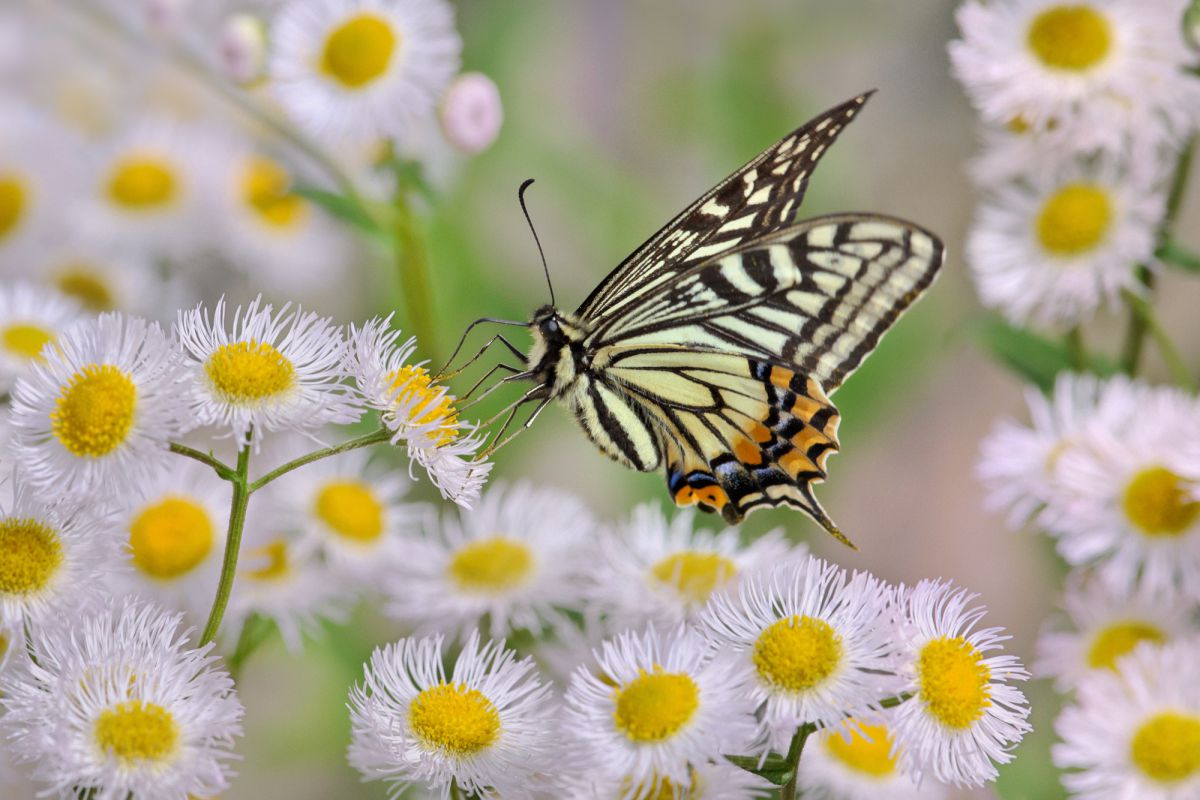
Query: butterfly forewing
x=759, y=198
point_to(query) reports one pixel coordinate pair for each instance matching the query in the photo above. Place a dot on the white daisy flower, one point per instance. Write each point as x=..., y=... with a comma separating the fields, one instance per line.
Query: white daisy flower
x=148, y=189
x=814, y=640
x=661, y=702
x=119, y=704
x=652, y=570
x=102, y=278
x=175, y=539
x=1100, y=63
x=718, y=780
x=362, y=69
x=96, y=414
x=1135, y=732
x=487, y=727
x=1017, y=463
x=53, y=556
x=268, y=371
x=282, y=579
x=963, y=714
x=1105, y=626
x=1126, y=499
x=30, y=318
x=416, y=409
x=1054, y=250
x=282, y=240
x=859, y=761
x=517, y=559
x=350, y=512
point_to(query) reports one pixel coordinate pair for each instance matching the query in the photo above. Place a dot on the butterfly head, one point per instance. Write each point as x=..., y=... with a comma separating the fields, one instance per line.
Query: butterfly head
x=557, y=351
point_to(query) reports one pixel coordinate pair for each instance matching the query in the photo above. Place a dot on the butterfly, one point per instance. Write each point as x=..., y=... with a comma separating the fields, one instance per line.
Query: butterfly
x=709, y=354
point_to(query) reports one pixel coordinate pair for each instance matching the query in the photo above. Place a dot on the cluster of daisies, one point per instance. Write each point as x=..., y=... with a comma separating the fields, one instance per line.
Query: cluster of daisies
x=1086, y=107
x=196, y=152
x=1111, y=470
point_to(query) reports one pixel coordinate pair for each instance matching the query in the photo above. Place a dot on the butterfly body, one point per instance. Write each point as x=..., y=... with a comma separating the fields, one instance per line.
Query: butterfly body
x=710, y=352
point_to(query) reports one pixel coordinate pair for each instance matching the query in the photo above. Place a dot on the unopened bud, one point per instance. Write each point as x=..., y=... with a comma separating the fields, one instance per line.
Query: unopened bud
x=471, y=112
x=243, y=47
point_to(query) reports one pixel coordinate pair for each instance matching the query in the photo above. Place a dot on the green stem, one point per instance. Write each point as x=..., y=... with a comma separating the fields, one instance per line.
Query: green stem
x=1178, y=255
x=207, y=459
x=412, y=268
x=1076, y=350
x=255, y=631
x=1149, y=322
x=1136, y=328
x=375, y=437
x=788, y=792
x=233, y=543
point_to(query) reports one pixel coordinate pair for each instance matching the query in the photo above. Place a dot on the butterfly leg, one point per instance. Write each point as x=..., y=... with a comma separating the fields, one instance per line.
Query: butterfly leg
x=442, y=374
x=517, y=376
x=511, y=369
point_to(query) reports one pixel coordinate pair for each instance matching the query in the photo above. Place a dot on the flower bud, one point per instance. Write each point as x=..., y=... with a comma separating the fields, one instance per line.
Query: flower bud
x=243, y=48
x=471, y=113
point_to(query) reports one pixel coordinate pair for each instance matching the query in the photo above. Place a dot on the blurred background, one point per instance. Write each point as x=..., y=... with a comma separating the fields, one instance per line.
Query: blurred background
x=624, y=111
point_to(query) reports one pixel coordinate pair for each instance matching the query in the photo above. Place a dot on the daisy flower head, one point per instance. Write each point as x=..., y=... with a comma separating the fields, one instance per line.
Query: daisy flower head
x=53, y=555
x=653, y=570
x=283, y=579
x=1126, y=500
x=1017, y=463
x=859, y=761
x=119, y=704
x=660, y=702
x=1079, y=65
x=30, y=318
x=517, y=558
x=814, y=640
x=95, y=415
x=1135, y=732
x=419, y=411
x=175, y=535
x=351, y=512
x=267, y=371
x=487, y=727
x=101, y=278
x=1056, y=248
x=1105, y=626
x=963, y=714
x=362, y=69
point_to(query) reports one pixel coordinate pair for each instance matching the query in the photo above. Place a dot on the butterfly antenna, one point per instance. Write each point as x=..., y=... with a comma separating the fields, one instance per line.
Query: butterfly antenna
x=521, y=198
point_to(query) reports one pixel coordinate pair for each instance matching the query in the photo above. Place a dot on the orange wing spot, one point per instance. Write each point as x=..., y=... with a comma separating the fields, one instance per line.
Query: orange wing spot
x=761, y=433
x=781, y=378
x=807, y=437
x=795, y=462
x=814, y=390
x=686, y=497
x=806, y=408
x=747, y=452
x=713, y=496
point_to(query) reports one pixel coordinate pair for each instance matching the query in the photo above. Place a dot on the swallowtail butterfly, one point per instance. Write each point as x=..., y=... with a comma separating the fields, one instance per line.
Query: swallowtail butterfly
x=710, y=353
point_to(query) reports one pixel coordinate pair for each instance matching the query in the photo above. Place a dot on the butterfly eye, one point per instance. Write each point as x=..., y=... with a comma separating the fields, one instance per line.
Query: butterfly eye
x=550, y=326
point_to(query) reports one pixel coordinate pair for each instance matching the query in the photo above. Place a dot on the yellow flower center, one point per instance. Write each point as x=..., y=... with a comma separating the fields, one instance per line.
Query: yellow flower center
x=246, y=373
x=1074, y=219
x=350, y=509
x=954, y=681
x=25, y=339
x=1119, y=638
x=454, y=719
x=868, y=750
x=136, y=731
x=277, y=563
x=87, y=287
x=170, y=537
x=30, y=554
x=797, y=653
x=359, y=50
x=142, y=183
x=694, y=574
x=655, y=705
x=12, y=204
x=267, y=189
x=1070, y=37
x=95, y=411
x=491, y=566
x=656, y=788
x=411, y=386
x=3, y=645
x=1166, y=747
x=1158, y=503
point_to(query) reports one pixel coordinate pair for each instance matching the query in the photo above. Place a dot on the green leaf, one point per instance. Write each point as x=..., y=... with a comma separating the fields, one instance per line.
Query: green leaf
x=1177, y=256
x=1034, y=357
x=344, y=208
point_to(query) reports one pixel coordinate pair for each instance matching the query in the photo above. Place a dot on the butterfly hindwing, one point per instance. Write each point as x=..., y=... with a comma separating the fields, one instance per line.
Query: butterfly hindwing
x=759, y=198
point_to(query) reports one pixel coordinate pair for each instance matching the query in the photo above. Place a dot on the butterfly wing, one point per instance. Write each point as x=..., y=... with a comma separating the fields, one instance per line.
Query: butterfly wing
x=759, y=198
x=727, y=366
